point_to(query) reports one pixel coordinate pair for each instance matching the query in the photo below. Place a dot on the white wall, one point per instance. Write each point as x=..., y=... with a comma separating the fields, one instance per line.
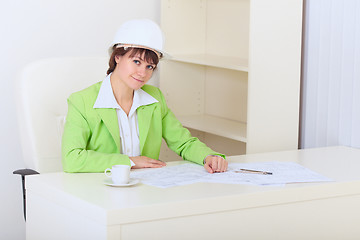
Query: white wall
x=36, y=29
x=31, y=30
x=331, y=93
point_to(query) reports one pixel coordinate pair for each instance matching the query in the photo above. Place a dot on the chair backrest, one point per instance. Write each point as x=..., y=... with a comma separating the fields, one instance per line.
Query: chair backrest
x=42, y=91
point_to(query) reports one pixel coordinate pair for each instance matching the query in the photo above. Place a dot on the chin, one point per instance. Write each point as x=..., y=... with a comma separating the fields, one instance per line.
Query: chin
x=137, y=87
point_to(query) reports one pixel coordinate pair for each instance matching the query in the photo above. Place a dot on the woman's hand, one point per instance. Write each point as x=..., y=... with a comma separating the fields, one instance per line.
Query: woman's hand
x=145, y=162
x=215, y=164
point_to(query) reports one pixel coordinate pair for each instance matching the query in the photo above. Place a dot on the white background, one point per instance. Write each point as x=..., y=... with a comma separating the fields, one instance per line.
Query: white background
x=36, y=29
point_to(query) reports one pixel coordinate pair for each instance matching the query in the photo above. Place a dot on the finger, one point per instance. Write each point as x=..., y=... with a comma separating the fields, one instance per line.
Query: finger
x=224, y=165
x=153, y=165
x=158, y=162
x=221, y=164
x=162, y=162
x=208, y=168
x=214, y=164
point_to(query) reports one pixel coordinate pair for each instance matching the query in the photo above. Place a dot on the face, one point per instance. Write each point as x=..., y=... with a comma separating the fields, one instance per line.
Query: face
x=134, y=72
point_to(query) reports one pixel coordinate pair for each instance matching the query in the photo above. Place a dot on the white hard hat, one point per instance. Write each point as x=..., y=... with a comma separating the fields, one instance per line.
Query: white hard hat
x=140, y=33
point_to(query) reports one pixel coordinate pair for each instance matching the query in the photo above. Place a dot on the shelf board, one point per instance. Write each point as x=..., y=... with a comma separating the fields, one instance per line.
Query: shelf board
x=232, y=63
x=215, y=125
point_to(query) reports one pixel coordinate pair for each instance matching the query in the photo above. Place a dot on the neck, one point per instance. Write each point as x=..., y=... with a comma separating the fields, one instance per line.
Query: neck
x=123, y=94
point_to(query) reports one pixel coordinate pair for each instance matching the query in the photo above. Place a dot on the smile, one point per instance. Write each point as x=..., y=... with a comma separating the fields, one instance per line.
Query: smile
x=138, y=80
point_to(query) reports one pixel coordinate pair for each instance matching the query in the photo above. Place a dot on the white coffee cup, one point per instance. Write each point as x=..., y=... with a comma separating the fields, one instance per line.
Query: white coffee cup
x=119, y=174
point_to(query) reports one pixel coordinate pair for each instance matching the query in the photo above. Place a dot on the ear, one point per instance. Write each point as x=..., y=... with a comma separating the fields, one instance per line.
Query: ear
x=117, y=58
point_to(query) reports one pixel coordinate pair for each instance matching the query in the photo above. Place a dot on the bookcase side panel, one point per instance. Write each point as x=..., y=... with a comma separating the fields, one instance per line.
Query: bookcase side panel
x=274, y=75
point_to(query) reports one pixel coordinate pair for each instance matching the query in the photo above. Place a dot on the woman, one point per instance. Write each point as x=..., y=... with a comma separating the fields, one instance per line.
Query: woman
x=121, y=120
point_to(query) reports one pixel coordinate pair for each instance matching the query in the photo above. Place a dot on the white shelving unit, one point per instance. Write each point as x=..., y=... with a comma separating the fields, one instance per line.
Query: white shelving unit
x=234, y=71
x=233, y=63
x=215, y=125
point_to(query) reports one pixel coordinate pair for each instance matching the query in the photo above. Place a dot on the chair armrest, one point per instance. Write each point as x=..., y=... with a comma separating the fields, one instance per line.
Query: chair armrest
x=25, y=172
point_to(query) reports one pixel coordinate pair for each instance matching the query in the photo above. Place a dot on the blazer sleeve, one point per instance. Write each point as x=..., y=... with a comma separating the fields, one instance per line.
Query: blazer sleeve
x=179, y=139
x=77, y=132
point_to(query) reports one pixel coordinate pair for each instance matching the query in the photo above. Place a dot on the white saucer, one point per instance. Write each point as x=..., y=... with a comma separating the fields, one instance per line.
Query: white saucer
x=132, y=182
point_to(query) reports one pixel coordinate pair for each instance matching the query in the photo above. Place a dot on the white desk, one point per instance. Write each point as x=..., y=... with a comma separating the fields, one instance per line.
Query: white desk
x=80, y=206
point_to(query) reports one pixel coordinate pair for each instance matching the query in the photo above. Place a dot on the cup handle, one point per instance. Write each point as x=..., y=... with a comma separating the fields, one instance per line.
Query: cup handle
x=106, y=172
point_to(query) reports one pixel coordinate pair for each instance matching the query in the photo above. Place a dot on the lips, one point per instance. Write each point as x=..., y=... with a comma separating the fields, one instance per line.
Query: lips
x=137, y=80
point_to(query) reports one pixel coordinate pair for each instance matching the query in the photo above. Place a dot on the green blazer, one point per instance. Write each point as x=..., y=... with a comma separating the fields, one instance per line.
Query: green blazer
x=91, y=139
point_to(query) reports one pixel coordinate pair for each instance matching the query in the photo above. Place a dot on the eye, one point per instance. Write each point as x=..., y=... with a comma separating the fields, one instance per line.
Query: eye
x=150, y=67
x=136, y=61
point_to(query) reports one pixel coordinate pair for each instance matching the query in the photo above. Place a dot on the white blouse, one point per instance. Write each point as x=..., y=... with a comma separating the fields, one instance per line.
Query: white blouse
x=128, y=125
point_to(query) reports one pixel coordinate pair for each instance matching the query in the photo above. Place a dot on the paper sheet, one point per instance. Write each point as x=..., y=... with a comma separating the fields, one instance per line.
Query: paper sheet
x=170, y=176
x=187, y=173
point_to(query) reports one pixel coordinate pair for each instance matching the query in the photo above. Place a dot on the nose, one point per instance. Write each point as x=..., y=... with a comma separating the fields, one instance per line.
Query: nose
x=141, y=71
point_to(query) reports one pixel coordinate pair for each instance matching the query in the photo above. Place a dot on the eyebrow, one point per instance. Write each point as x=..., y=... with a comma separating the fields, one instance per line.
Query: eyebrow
x=139, y=57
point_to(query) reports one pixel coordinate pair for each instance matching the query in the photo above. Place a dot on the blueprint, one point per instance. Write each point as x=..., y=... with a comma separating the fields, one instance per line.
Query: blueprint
x=188, y=173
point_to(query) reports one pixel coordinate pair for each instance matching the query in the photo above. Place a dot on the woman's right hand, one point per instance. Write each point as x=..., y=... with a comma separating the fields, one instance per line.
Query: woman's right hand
x=145, y=162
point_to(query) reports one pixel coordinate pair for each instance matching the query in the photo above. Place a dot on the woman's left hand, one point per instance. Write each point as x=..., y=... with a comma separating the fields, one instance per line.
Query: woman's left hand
x=215, y=164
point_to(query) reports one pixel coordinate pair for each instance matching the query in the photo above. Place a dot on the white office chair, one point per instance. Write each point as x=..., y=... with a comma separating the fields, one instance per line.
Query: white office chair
x=42, y=90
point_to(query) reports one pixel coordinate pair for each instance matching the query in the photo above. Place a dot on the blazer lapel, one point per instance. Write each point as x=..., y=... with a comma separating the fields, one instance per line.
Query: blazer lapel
x=109, y=117
x=144, y=119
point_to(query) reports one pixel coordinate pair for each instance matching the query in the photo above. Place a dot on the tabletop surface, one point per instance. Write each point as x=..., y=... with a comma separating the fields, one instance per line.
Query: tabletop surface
x=87, y=194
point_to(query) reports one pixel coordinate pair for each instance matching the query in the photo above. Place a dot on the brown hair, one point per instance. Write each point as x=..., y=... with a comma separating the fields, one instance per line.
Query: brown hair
x=149, y=56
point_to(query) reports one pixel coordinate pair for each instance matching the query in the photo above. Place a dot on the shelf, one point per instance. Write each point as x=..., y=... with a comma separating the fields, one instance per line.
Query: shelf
x=232, y=63
x=215, y=125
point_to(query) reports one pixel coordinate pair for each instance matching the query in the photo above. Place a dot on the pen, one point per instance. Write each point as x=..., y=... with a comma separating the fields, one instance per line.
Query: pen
x=253, y=171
